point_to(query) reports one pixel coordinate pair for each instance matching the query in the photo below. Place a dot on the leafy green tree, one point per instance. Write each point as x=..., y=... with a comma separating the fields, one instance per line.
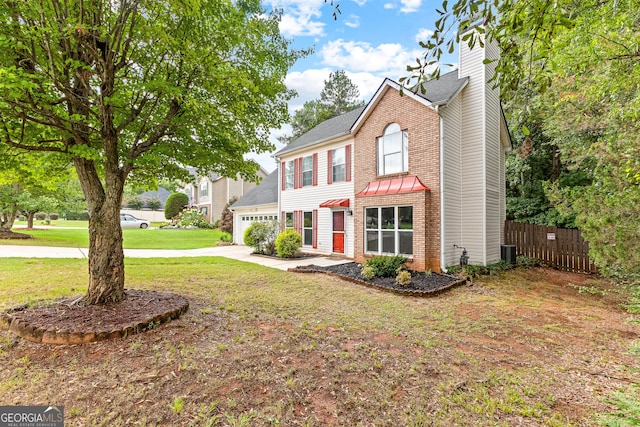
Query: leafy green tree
x=338, y=96
x=135, y=202
x=133, y=90
x=154, y=203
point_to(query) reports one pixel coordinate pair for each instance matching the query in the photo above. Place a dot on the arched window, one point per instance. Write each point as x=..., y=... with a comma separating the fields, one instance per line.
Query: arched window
x=393, y=150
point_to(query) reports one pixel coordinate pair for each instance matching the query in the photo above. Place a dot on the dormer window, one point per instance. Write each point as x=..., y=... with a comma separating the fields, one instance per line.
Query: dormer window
x=393, y=150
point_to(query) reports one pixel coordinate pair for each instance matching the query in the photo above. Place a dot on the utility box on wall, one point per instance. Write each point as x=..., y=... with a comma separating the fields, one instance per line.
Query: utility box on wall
x=508, y=253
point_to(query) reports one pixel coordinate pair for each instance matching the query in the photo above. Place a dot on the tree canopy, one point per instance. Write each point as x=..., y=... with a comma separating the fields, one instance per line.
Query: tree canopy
x=338, y=96
x=136, y=90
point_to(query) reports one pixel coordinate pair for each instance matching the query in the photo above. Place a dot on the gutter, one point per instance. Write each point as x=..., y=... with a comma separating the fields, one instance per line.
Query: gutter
x=443, y=267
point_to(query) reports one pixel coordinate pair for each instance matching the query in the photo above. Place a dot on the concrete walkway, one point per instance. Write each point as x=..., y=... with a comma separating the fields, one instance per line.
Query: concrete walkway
x=240, y=253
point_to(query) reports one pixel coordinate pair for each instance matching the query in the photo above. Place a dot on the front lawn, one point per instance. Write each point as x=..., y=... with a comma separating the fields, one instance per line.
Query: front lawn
x=133, y=238
x=263, y=347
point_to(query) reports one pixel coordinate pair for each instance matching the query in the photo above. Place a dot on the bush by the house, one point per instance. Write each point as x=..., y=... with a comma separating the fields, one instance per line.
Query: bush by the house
x=261, y=236
x=192, y=218
x=288, y=243
x=386, y=266
x=54, y=216
x=403, y=278
x=226, y=238
x=175, y=203
x=154, y=203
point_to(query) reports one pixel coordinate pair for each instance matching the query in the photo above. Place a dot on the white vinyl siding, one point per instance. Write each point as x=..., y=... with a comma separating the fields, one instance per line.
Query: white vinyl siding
x=309, y=198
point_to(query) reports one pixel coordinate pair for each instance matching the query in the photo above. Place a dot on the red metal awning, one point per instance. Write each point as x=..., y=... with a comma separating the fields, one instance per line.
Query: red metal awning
x=335, y=203
x=406, y=184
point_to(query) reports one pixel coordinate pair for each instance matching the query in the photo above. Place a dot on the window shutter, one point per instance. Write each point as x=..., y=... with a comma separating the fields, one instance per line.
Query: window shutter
x=315, y=169
x=330, y=167
x=315, y=229
x=299, y=172
x=347, y=162
x=283, y=220
x=284, y=175
x=295, y=173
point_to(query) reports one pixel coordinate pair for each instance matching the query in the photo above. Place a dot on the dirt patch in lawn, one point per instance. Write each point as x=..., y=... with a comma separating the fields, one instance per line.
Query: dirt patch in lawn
x=526, y=348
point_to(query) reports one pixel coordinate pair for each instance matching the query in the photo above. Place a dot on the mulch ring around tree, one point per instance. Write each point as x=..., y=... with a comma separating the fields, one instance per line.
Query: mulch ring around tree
x=422, y=284
x=8, y=234
x=67, y=321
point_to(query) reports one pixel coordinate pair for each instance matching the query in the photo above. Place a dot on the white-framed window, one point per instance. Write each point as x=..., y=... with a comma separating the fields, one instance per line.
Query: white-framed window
x=288, y=220
x=389, y=230
x=338, y=163
x=393, y=150
x=204, y=189
x=307, y=228
x=307, y=171
x=289, y=174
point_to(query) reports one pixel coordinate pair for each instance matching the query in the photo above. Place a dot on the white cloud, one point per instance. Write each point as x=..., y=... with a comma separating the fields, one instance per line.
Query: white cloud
x=389, y=6
x=308, y=84
x=388, y=59
x=353, y=21
x=409, y=6
x=359, y=2
x=300, y=17
x=423, y=35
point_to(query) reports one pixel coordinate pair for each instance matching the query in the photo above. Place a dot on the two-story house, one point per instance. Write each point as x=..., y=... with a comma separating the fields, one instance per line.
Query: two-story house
x=211, y=193
x=416, y=174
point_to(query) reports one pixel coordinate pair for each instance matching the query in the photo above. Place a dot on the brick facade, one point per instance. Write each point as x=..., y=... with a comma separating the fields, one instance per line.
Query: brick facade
x=423, y=126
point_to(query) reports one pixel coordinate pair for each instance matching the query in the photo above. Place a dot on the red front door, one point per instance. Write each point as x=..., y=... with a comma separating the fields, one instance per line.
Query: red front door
x=338, y=232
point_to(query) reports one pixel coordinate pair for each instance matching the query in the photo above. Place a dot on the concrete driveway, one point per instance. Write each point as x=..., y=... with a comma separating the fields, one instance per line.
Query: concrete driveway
x=240, y=253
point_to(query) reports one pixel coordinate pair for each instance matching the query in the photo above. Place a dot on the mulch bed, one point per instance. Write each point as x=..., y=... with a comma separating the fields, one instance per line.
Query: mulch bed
x=8, y=234
x=422, y=284
x=67, y=321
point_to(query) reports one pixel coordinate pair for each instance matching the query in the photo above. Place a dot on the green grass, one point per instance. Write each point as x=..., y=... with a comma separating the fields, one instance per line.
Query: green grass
x=56, y=223
x=133, y=238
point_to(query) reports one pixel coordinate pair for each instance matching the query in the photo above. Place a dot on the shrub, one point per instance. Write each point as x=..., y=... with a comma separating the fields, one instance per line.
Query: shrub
x=261, y=236
x=226, y=238
x=77, y=216
x=386, y=266
x=41, y=216
x=154, y=203
x=193, y=218
x=288, y=243
x=403, y=278
x=54, y=216
x=135, y=203
x=368, y=272
x=175, y=203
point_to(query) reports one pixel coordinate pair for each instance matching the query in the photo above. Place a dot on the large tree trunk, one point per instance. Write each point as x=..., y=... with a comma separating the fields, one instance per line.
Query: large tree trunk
x=30, y=217
x=106, y=256
x=7, y=219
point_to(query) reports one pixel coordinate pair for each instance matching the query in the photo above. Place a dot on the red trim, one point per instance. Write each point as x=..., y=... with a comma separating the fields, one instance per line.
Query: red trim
x=295, y=173
x=315, y=169
x=347, y=162
x=315, y=228
x=330, y=167
x=334, y=203
x=284, y=176
x=406, y=184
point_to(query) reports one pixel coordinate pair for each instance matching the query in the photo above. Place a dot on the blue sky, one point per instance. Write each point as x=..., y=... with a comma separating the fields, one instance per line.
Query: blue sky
x=370, y=40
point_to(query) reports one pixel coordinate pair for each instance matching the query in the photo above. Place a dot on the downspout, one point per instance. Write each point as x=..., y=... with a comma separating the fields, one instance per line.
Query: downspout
x=443, y=267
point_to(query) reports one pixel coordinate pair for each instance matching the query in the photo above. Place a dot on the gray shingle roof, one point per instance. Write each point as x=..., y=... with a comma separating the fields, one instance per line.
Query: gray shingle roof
x=438, y=91
x=263, y=194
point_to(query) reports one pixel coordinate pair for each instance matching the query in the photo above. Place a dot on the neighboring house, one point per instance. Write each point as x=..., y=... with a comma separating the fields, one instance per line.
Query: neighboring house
x=210, y=194
x=411, y=175
x=258, y=204
x=161, y=194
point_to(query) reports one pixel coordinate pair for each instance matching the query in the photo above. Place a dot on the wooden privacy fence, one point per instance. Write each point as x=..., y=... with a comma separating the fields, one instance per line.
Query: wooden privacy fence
x=561, y=248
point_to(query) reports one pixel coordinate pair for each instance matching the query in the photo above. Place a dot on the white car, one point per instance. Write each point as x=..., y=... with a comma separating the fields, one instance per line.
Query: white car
x=130, y=221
